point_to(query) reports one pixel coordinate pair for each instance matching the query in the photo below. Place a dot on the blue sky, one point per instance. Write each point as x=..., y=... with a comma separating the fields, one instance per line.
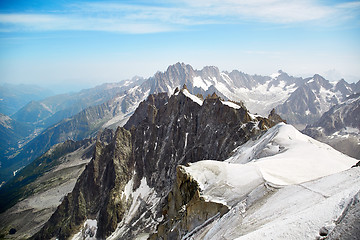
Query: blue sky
x=84, y=43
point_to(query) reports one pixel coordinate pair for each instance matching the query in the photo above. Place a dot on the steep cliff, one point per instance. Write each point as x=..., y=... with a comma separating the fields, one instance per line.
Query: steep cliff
x=126, y=184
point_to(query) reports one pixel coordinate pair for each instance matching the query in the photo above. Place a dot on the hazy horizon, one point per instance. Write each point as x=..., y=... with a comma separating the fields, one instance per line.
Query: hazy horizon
x=87, y=43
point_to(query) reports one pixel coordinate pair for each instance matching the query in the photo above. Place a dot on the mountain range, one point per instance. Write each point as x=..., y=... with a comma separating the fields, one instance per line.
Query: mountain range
x=131, y=160
x=340, y=127
x=81, y=115
x=13, y=97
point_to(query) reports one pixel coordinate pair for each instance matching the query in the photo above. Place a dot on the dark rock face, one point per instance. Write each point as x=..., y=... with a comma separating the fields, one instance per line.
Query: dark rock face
x=164, y=132
x=147, y=110
x=186, y=209
x=273, y=116
x=96, y=191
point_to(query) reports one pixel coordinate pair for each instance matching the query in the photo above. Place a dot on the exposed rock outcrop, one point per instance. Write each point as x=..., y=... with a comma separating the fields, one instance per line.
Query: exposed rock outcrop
x=97, y=191
x=186, y=209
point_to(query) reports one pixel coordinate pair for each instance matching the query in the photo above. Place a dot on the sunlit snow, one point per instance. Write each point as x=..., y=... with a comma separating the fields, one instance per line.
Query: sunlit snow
x=192, y=97
x=311, y=183
x=231, y=104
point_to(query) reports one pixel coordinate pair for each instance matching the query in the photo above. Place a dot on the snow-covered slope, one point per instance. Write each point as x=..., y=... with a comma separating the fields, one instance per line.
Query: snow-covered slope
x=284, y=185
x=293, y=212
x=286, y=156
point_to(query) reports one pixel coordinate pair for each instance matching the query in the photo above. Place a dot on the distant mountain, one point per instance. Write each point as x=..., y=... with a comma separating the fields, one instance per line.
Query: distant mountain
x=51, y=110
x=13, y=97
x=313, y=98
x=340, y=127
x=259, y=93
x=83, y=125
x=131, y=176
x=12, y=134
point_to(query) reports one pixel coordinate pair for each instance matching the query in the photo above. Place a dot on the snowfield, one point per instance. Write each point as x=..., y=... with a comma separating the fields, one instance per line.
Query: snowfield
x=284, y=185
x=259, y=99
x=285, y=156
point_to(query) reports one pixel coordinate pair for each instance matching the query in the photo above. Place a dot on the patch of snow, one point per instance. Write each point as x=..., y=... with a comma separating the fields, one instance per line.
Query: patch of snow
x=224, y=182
x=254, y=116
x=15, y=172
x=310, y=80
x=231, y=104
x=143, y=194
x=186, y=138
x=345, y=133
x=200, y=83
x=352, y=130
x=226, y=78
x=324, y=98
x=170, y=89
x=307, y=112
x=4, y=121
x=142, y=236
x=46, y=107
x=192, y=97
x=88, y=232
x=275, y=75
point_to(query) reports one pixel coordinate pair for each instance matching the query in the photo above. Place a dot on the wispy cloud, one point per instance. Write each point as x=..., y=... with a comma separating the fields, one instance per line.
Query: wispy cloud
x=41, y=22
x=135, y=18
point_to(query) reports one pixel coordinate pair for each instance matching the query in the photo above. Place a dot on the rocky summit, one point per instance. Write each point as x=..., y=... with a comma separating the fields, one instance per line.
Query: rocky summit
x=123, y=190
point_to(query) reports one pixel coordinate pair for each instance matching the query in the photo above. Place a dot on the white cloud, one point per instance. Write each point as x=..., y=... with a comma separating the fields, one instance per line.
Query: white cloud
x=127, y=18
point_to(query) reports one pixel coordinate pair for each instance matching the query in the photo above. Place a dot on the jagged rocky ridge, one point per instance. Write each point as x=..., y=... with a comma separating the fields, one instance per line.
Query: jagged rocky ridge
x=125, y=185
